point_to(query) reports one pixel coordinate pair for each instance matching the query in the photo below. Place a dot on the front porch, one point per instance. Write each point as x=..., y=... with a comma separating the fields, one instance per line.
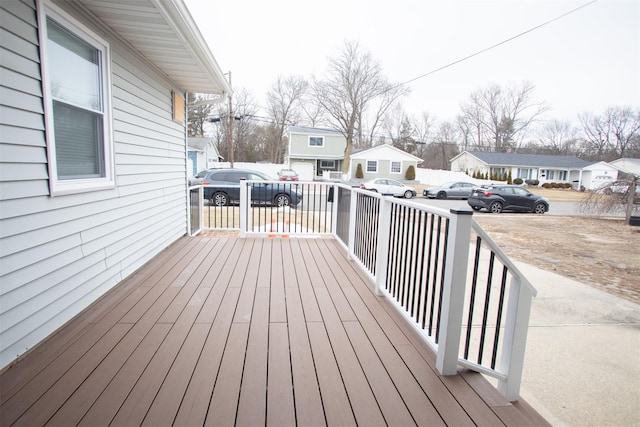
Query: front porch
x=255, y=331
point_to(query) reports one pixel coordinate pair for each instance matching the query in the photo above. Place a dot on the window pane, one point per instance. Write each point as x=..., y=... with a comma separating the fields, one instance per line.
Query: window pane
x=372, y=166
x=79, y=143
x=316, y=141
x=74, y=67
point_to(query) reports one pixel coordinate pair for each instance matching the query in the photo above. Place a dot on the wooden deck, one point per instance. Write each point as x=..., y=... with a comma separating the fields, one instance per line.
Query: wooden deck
x=224, y=331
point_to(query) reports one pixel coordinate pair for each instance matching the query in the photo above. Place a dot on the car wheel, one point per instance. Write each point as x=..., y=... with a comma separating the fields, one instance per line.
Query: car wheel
x=495, y=207
x=408, y=194
x=282, y=200
x=219, y=199
x=475, y=208
x=442, y=195
x=540, y=208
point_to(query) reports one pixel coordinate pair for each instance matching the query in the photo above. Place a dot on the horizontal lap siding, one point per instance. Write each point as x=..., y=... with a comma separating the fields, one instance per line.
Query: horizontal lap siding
x=59, y=254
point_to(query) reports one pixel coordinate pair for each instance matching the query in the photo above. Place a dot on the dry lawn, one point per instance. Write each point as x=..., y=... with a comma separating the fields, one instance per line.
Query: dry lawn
x=600, y=252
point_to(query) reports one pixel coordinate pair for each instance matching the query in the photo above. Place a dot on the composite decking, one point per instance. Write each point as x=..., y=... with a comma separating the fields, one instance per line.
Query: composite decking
x=229, y=331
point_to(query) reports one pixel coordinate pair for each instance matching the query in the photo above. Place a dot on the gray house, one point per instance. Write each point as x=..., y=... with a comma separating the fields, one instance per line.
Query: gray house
x=93, y=151
x=321, y=148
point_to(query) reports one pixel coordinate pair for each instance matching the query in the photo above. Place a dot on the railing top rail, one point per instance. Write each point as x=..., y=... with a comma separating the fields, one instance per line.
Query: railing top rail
x=515, y=271
x=409, y=203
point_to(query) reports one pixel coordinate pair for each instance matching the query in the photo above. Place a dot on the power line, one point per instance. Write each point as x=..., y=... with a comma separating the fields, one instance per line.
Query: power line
x=496, y=45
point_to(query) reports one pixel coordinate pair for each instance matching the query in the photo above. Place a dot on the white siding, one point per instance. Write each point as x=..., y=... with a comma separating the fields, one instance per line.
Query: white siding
x=59, y=254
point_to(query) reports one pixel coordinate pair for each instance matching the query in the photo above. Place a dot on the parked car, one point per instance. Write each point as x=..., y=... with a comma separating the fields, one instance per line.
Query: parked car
x=388, y=187
x=222, y=187
x=498, y=198
x=450, y=190
x=287, y=175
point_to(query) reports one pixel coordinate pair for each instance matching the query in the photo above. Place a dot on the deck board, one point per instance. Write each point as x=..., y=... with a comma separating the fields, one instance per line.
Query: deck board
x=228, y=331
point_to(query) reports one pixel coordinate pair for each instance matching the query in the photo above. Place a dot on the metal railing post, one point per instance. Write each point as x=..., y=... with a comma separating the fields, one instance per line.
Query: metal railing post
x=515, y=339
x=382, y=257
x=450, y=328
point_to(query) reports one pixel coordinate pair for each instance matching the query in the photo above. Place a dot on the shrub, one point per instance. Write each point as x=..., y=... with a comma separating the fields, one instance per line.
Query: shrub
x=518, y=181
x=410, y=174
x=359, y=173
x=532, y=182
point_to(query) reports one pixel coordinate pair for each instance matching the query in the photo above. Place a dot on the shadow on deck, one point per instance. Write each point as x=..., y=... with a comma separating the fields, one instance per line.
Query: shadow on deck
x=224, y=331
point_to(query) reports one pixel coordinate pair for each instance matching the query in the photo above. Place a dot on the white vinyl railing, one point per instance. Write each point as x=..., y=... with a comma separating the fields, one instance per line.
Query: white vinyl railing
x=441, y=270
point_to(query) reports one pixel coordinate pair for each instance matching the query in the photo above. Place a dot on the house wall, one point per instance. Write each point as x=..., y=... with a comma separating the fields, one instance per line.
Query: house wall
x=384, y=169
x=59, y=254
x=299, y=146
x=465, y=163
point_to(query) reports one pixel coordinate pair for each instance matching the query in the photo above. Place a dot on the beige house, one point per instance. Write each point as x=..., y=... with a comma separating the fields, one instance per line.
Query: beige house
x=383, y=161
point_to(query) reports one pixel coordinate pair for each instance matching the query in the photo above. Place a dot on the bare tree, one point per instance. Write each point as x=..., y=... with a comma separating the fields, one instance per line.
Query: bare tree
x=597, y=134
x=246, y=147
x=616, y=196
x=380, y=109
x=558, y=137
x=285, y=108
x=199, y=108
x=423, y=128
x=444, y=146
x=500, y=115
x=625, y=126
x=353, y=82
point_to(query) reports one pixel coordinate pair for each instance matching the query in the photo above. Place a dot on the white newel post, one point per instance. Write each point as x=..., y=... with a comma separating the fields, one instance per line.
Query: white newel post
x=245, y=203
x=352, y=224
x=334, y=208
x=384, y=224
x=515, y=339
x=455, y=276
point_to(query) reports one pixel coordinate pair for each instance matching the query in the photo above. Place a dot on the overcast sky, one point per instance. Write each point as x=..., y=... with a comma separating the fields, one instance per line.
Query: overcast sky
x=585, y=61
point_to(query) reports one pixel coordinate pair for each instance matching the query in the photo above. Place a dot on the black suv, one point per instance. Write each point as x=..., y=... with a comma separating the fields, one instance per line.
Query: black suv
x=222, y=187
x=498, y=198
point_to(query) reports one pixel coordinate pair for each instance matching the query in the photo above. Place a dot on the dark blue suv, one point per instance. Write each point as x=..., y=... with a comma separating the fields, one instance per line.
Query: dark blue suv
x=222, y=188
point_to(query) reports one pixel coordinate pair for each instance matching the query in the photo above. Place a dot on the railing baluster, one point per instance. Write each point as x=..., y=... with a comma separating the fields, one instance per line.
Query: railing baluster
x=485, y=312
x=472, y=299
x=503, y=286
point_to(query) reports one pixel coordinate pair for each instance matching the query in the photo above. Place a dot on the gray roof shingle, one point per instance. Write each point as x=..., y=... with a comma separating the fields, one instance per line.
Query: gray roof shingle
x=533, y=160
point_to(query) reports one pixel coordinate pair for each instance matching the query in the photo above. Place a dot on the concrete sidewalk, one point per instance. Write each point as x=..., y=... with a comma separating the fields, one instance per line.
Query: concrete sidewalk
x=582, y=364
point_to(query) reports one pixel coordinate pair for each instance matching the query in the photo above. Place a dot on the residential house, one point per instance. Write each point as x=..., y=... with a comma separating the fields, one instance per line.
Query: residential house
x=321, y=148
x=324, y=149
x=627, y=165
x=544, y=168
x=383, y=161
x=596, y=175
x=93, y=148
x=202, y=153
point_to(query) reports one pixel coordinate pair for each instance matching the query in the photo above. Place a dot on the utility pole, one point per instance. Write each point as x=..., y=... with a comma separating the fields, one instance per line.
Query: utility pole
x=230, y=123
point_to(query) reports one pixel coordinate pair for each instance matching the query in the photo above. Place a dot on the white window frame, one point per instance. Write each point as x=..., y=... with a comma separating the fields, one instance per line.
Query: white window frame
x=375, y=162
x=399, y=168
x=67, y=186
x=321, y=138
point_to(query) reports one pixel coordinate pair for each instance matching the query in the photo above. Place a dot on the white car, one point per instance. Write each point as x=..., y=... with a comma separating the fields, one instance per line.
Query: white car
x=388, y=187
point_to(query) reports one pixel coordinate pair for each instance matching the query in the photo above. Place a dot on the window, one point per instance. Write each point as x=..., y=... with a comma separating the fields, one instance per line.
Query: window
x=327, y=164
x=372, y=166
x=77, y=108
x=316, y=141
x=396, y=167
